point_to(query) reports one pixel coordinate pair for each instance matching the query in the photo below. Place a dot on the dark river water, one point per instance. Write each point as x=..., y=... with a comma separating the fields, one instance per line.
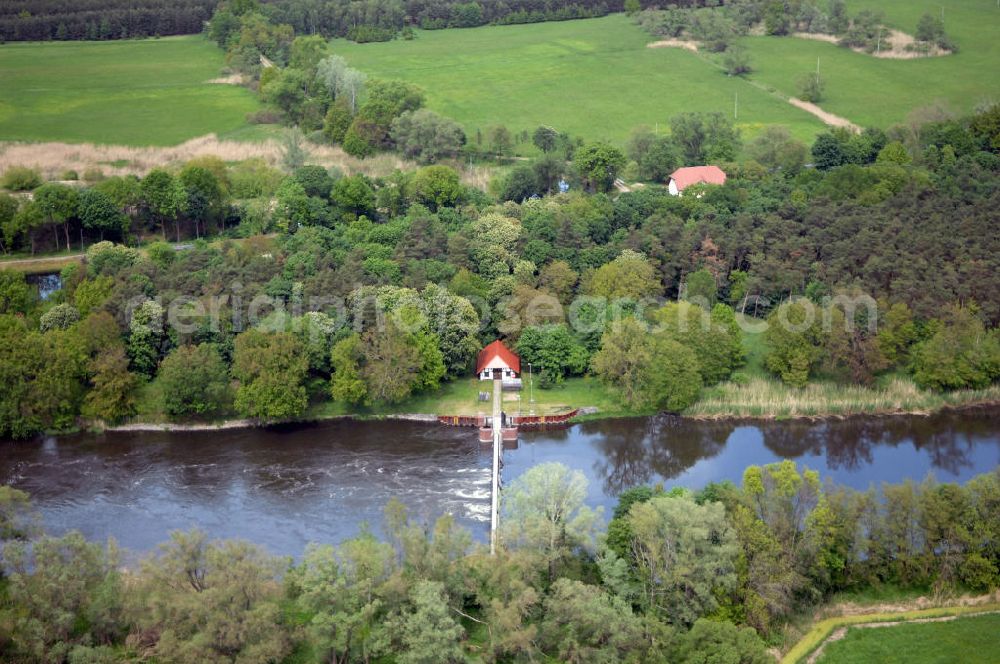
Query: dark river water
x=285, y=487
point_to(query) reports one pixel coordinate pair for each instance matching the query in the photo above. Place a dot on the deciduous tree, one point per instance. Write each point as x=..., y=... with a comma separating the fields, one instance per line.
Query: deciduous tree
x=685, y=555
x=598, y=165
x=194, y=382
x=271, y=369
x=544, y=513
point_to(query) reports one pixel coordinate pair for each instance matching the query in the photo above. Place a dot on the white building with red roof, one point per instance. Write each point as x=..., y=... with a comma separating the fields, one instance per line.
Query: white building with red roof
x=498, y=358
x=683, y=178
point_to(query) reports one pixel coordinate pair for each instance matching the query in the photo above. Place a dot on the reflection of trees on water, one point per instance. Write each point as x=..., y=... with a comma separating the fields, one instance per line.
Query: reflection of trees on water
x=846, y=444
x=948, y=438
x=624, y=461
x=664, y=446
x=849, y=444
x=633, y=451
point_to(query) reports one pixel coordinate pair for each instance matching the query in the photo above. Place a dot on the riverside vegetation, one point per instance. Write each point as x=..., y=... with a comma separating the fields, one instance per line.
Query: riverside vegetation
x=300, y=291
x=368, y=291
x=679, y=576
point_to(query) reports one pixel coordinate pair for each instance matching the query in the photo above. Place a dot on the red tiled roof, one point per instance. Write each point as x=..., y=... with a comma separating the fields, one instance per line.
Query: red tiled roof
x=497, y=349
x=689, y=175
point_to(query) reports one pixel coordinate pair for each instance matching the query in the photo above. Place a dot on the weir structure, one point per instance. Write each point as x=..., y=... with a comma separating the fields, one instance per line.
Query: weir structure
x=500, y=430
x=497, y=438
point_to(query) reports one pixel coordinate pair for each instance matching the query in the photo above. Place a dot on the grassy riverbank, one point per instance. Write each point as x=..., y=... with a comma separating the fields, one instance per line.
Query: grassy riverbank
x=770, y=399
x=760, y=398
x=461, y=397
x=754, y=393
x=457, y=397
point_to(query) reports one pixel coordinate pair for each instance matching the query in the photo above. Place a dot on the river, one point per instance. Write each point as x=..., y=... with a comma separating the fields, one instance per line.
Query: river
x=283, y=487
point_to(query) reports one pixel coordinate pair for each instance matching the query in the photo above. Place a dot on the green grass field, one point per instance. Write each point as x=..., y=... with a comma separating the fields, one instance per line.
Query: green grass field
x=970, y=640
x=593, y=78
x=596, y=78
x=137, y=92
x=881, y=92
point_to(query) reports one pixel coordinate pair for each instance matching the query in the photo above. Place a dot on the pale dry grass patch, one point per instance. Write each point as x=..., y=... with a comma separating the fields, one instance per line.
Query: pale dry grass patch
x=53, y=158
x=231, y=79
x=685, y=44
x=896, y=45
x=761, y=397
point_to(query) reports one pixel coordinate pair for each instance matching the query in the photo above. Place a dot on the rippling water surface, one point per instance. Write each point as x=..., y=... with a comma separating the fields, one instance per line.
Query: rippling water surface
x=284, y=487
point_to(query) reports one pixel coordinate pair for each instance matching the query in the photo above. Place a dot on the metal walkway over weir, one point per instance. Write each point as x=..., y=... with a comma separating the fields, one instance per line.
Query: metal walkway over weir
x=497, y=431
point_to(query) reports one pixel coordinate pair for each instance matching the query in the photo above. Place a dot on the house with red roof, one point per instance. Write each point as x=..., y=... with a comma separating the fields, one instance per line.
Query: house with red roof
x=496, y=360
x=683, y=178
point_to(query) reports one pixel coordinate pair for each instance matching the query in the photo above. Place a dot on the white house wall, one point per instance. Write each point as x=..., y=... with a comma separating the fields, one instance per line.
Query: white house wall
x=496, y=363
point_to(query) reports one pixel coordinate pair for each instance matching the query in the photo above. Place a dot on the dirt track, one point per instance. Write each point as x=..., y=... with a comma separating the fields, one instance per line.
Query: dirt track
x=828, y=118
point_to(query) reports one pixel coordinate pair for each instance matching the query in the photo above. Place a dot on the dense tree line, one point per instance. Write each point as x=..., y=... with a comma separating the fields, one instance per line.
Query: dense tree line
x=428, y=269
x=44, y=20
x=379, y=20
x=367, y=20
x=676, y=576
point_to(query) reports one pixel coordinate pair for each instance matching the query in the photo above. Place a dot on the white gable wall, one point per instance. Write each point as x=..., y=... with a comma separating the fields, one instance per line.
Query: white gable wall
x=496, y=363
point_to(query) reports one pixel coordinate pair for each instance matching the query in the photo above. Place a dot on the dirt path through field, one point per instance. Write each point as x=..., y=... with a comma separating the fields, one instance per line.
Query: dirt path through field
x=828, y=118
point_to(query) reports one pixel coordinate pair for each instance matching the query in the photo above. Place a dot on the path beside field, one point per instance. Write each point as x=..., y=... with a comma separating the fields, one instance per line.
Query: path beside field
x=26, y=262
x=825, y=116
x=841, y=632
x=837, y=619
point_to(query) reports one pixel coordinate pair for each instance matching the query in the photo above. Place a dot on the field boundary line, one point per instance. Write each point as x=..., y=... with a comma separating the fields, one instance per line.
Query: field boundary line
x=818, y=635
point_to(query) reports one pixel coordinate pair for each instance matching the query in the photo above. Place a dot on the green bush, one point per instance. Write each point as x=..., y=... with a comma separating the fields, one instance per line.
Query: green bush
x=20, y=178
x=93, y=175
